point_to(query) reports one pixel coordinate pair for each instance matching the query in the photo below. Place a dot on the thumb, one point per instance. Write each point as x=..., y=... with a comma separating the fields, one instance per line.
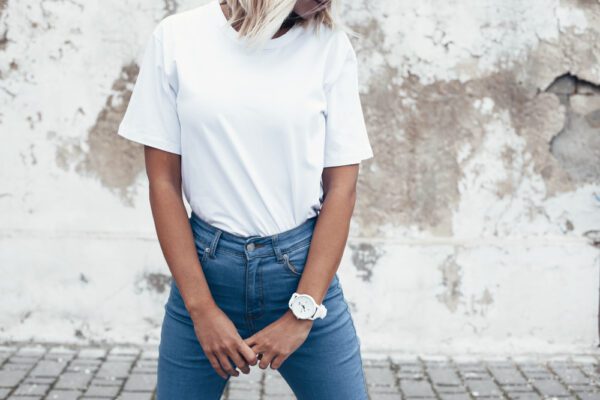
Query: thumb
x=250, y=340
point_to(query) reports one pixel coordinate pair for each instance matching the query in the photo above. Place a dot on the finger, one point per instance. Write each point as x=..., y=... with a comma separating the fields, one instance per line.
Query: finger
x=239, y=361
x=266, y=360
x=249, y=355
x=277, y=361
x=214, y=362
x=250, y=340
x=226, y=365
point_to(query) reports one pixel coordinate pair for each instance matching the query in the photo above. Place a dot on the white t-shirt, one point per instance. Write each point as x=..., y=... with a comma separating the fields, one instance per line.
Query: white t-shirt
x=254, y=129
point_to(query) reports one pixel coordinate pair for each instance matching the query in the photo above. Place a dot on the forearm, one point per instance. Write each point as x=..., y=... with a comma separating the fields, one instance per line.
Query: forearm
x=177, y=244
x=328, y=242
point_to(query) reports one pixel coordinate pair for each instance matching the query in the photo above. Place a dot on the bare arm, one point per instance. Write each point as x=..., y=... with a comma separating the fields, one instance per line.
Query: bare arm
x=216, y=333
x=331, y=230
x=174, y=231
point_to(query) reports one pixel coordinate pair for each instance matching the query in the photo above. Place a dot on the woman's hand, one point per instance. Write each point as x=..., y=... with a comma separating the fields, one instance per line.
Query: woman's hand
x=219, y=338
x=279, y=339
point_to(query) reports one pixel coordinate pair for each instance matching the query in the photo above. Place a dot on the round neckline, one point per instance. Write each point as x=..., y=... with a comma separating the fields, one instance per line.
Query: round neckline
x=230, y=31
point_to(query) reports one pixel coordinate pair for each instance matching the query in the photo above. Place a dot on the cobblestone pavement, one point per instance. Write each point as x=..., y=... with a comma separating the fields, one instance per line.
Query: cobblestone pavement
x=50, y=371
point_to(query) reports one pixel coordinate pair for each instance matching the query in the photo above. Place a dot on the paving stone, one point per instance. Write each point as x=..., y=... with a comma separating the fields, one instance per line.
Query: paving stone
x=589, y=396
x=129, y=373
x=444, y=377
x=145, y=366
x=455, y=396
x=377, y=362
x=48, y=368
x=474, y=375
x=524, y=396
x=24, y=359
x=507, y=375
x=4, y=393
x=483, y=388
x=420, y=388
x=570, y=374
x=380, y=376
x=550, y=388
x=386, y=396
x=10, y=378
x=135, y=396
x=411, y=376
x=244, y=394
x=116, y=369
x=86, y=366
x=521, y=388
x=63, y=395
x=474, y=366
x=276, y=386
x=539, y=375
x=449, y=389
x=101, y=381
x=151, y=354
x=31, y=389
x=532, y=367
x=73, y=380
x=140, y=383
x=102, y=391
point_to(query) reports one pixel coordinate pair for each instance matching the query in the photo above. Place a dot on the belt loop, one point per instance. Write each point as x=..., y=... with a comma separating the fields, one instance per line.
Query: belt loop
x=276, y=249
x=213, y=245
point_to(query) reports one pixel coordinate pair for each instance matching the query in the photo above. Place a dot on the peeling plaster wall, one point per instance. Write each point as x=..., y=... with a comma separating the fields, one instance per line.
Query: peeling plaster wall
x=477, y=226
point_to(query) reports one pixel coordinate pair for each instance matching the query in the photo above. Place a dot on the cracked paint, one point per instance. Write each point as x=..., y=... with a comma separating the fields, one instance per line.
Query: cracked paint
x=451, y=281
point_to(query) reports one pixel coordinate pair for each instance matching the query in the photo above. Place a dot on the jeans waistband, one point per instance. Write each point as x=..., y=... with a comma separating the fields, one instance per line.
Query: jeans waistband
x=251, y=246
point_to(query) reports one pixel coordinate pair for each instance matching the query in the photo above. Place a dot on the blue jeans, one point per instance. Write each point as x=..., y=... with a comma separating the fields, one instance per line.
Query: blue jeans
x=251, y=279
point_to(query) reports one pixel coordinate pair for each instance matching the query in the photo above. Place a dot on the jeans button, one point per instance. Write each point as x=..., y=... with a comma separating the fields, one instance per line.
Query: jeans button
x=250, y=246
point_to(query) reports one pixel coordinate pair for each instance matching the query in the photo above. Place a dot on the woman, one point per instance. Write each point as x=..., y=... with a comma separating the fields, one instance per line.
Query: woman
x=251, y=108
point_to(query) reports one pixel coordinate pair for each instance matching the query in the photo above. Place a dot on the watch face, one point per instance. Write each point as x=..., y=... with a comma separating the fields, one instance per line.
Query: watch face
x=303, y=306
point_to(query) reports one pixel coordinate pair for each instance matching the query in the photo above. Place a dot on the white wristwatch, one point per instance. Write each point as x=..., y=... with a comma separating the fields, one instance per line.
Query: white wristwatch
x=305, y=307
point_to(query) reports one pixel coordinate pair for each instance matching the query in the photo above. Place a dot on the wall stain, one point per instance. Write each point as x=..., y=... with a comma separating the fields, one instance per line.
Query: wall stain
x=451, y=281
x=113, y=160
x=417, y=130
x=153, y=282
x=364, y=259
x=4, y=36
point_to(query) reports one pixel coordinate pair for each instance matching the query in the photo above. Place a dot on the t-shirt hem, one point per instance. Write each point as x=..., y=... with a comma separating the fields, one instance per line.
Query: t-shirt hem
x=137, y=137
x=347, y=160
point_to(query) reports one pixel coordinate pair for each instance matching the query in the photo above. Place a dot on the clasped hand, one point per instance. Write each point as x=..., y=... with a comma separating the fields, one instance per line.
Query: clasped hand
x=272, y=345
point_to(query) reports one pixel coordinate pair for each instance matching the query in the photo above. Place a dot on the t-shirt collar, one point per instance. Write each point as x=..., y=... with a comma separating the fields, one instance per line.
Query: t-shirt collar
x=232, y=34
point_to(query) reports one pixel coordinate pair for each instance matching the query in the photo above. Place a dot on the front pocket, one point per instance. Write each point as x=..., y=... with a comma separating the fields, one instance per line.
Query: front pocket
x=294, y=260
x=289, y=266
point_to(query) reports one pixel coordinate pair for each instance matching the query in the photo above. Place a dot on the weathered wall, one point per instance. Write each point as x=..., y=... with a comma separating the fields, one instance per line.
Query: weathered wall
x=477, y=225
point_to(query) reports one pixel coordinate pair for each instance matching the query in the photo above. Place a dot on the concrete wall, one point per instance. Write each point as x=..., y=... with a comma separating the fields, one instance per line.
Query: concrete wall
x=477, y=226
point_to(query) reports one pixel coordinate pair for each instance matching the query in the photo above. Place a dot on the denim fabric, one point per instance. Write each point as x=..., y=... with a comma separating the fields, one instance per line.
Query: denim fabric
x=252, y=284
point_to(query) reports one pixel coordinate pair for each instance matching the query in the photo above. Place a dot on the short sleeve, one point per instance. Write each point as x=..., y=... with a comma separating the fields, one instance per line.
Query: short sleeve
x=151, y=115
x=346, y=138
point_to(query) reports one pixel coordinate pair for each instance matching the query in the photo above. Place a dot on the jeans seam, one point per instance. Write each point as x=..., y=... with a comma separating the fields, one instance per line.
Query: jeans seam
x=362, y=370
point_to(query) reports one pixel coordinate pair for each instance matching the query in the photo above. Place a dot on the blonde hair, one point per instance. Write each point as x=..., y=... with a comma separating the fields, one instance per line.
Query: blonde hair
x=261, y=19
